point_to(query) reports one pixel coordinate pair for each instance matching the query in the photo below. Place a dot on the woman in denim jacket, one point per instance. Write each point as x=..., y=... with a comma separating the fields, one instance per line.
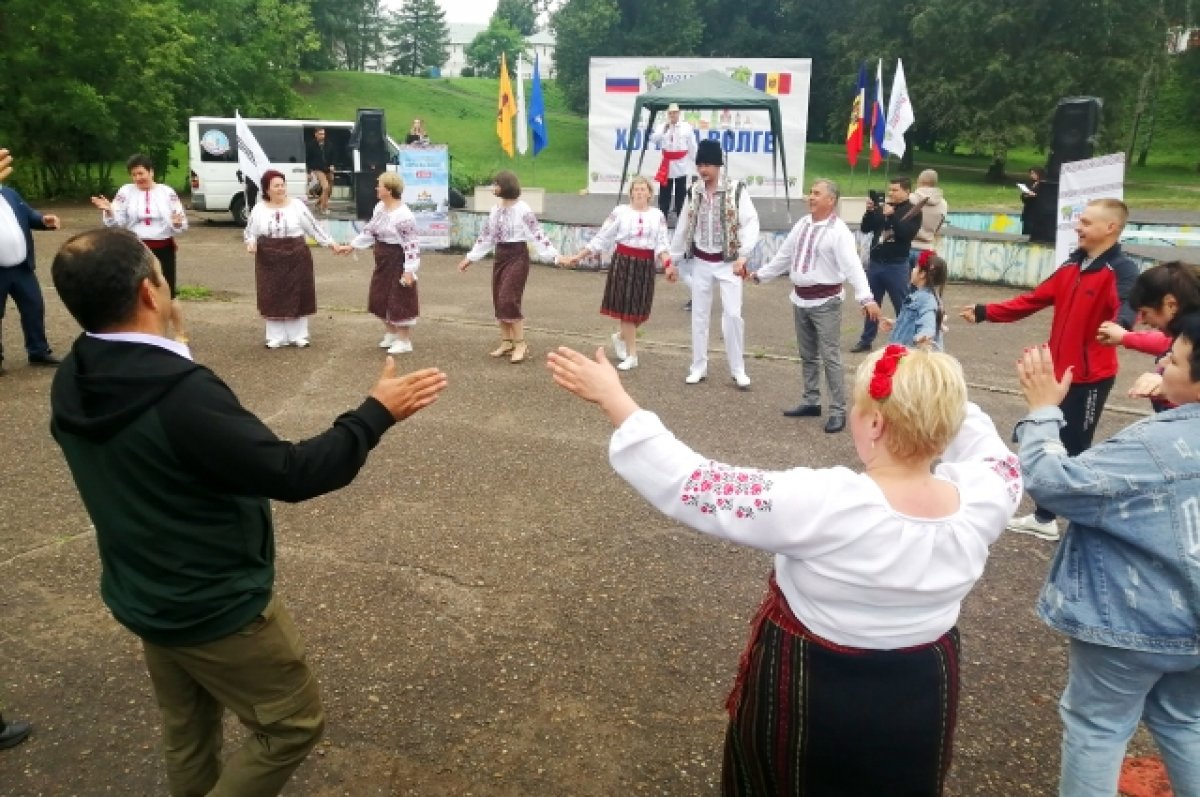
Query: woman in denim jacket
x=1125, y=582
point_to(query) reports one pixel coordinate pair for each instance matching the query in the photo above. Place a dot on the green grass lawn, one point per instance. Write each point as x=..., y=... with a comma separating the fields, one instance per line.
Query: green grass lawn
x=461, y=113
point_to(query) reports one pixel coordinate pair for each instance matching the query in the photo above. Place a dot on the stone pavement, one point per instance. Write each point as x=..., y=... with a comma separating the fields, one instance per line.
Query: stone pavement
x=490, y=611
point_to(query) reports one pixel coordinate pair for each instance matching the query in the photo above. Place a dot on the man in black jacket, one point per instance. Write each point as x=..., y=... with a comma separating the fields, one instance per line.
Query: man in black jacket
x=318, y=159
x=177, y=478
x=893, y=225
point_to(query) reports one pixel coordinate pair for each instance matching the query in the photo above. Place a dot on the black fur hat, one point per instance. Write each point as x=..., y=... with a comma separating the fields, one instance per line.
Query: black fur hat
x=709, y=151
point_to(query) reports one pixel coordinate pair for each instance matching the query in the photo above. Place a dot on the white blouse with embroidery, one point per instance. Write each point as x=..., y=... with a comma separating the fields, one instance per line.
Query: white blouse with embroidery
x=397, y=226
x=293, y=220
x=641, y=229
x=853, y=569
x=512, y=224
x=146, y=213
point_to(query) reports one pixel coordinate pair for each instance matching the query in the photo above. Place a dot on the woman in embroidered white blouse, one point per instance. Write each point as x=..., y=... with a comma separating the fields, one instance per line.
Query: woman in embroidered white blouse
x=154, y=213
x=638, y=233
x=283, y=265
x=870, y=572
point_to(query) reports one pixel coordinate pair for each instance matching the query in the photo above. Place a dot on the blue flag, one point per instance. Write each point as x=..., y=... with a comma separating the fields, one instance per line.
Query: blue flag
x=537, y=112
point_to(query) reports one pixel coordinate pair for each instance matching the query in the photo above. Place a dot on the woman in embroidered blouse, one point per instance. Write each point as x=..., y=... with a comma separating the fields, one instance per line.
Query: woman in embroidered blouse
x=392, y=230
x=849, y=683
x=639, y=233
x=509, y=228
x=154, y=213
x=283, y=264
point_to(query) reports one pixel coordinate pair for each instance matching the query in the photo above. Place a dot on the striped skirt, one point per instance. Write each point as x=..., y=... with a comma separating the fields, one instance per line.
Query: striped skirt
x=810, y=717
x=510, y=271
x=629, y=289
x=283, y=278
x=388, y=300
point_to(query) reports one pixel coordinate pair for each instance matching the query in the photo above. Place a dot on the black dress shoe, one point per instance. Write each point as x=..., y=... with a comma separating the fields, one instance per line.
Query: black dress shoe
x=688, y=305
x=45, y=359
x=836, y=423
x=803, y=411
x=860, y=347
x=13, y=733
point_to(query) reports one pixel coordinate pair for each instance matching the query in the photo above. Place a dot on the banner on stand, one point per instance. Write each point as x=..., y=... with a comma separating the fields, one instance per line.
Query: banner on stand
x=1080, y=182
x=426, y=174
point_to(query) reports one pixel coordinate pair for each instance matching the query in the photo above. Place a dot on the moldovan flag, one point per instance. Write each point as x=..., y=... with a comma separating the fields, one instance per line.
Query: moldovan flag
x=878, y=153
x=854, y=133
x=773, y=82
x=900, y=114
x=505, y=110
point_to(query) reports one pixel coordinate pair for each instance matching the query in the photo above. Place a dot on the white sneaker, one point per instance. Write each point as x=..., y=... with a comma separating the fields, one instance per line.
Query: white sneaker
x=275, y=343
x=400, y=347
x=301, y=343
x=388, y=340
x=695, y=377
x=619, y=346
x=741, y=379
x=628, y=364
x=1029, y=524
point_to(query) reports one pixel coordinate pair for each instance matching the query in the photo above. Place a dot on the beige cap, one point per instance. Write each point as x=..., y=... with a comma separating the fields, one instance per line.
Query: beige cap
x=672, y=107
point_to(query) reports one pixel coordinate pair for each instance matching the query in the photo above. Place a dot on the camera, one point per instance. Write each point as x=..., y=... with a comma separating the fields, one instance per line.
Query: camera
x=876, y=196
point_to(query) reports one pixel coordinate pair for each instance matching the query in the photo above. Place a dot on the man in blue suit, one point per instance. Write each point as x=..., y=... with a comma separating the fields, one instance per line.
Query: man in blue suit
x=17, y=278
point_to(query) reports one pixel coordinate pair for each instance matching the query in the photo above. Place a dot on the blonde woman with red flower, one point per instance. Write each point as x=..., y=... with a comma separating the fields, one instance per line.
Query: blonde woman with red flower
x=849, y=683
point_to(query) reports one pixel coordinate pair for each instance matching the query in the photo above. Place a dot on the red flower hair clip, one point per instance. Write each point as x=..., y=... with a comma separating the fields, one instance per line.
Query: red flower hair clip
x=925, y=258
x=885, y=368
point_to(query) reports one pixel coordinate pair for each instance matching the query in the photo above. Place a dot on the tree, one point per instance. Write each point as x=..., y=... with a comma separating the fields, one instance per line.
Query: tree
x=419, y=38
x=520, y=14
x=483, y=53
x=350, y=33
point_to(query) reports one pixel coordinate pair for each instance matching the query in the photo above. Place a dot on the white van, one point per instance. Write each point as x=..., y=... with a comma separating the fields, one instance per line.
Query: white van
x=212, y=158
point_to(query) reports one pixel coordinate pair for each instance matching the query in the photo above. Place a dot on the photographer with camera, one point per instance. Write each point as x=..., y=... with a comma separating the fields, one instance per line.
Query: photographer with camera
x=893, y=223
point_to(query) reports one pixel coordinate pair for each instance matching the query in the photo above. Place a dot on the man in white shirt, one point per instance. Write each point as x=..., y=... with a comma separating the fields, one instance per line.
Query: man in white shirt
x=717, y=231
x=819, y=254
x=17, y=277
x=678, y=142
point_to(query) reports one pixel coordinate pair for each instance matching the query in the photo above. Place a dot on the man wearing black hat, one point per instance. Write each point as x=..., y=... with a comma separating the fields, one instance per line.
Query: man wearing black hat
x=717, y=231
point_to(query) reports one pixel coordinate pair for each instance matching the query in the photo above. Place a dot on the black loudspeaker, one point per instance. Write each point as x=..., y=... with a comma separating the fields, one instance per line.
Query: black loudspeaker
x=1041, y=215
x=369, y=137
x=1076, y=120
x=369, y=140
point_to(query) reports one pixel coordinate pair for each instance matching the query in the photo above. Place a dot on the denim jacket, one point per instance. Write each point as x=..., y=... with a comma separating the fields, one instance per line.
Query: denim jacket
x=917, y=318
x=1127, y=573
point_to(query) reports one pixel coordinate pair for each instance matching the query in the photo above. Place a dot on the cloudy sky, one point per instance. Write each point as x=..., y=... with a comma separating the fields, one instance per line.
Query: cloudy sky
x=479, y=11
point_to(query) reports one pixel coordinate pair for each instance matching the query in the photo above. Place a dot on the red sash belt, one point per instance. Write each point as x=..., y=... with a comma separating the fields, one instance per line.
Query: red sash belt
x=633, y=251
x=668, y=155
x=711, y=257
x=818, y=291
x=160, y=243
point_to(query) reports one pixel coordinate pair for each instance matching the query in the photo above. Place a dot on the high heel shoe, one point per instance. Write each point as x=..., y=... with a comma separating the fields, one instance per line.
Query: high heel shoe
x=504, y=348
x=519, y=351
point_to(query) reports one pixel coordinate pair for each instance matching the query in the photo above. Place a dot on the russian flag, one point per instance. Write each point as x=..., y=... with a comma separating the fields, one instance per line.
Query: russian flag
x=622, y=85
x=773, y=82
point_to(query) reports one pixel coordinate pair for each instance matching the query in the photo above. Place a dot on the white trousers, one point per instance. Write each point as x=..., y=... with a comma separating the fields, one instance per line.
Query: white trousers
x=704, y=276
x=289, y=331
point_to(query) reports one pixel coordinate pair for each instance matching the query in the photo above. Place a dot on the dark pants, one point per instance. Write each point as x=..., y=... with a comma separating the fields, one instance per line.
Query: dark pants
x=891, y=278
x=676, y=186
x=1081, y=411
x=21, y=283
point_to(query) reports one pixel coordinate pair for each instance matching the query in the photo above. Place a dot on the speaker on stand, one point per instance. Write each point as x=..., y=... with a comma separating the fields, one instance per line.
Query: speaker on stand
x=368, y=144
x=1073, y=138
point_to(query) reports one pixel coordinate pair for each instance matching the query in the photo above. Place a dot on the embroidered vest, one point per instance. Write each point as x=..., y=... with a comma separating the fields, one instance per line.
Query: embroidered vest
x=729, y=217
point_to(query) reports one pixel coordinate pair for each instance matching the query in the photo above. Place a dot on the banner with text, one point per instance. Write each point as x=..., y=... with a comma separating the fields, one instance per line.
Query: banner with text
x=1079, y=182
x=426, y=174
x=615, y=83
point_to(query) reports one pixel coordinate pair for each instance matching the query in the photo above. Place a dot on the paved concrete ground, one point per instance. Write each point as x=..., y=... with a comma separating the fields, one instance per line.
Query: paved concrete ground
x=489, y=609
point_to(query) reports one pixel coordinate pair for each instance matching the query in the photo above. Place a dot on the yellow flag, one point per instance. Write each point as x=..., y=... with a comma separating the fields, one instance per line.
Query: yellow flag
x=505, y=110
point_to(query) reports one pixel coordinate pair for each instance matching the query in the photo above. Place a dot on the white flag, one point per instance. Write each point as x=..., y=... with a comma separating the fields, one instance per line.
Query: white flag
x=522, y=125
x=251, y=159
x=899, y=116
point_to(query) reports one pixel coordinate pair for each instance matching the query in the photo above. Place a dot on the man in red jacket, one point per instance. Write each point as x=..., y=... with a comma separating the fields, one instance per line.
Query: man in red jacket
x=1090, y=288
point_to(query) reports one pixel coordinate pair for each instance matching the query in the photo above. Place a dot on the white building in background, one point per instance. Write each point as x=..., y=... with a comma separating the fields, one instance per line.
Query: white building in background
x=461, y=36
